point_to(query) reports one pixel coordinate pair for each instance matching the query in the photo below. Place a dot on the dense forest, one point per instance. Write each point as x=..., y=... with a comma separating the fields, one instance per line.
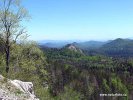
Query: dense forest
x=88, y=76
x=69, y=73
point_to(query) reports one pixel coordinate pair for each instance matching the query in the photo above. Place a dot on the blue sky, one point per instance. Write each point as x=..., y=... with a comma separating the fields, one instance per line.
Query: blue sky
x=79, y=19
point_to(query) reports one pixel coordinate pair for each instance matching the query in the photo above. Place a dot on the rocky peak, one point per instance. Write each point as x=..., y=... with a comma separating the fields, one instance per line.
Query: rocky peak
x=73, y=47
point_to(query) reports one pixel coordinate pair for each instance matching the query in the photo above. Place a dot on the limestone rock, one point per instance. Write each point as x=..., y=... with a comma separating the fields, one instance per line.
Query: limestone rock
x=16, y=90
x=26, y=87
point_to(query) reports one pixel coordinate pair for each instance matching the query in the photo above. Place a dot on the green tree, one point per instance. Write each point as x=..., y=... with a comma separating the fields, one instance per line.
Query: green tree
x=70, y=94
x=11, y=16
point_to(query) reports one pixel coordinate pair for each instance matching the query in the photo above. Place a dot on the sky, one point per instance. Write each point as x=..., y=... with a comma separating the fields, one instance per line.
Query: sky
x=79, y=19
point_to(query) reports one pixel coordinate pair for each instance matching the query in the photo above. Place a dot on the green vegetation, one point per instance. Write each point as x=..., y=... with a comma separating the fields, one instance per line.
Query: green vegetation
x=61, y=74
x=11, y=15
x=88, y=75
x=27, y=63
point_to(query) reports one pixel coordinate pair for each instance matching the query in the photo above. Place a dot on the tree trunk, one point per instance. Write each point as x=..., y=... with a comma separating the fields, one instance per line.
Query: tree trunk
x=7, y=59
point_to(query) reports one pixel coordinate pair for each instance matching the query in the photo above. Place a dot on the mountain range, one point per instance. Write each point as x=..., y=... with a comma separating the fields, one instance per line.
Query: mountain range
x=118, y=47
x=83, y=45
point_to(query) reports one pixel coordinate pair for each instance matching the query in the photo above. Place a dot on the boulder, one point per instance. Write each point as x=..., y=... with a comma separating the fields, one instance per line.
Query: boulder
x=16, y=90
x=26, y=87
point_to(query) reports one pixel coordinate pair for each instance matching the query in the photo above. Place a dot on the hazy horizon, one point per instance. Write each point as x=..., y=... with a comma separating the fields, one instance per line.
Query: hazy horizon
x=78, y=41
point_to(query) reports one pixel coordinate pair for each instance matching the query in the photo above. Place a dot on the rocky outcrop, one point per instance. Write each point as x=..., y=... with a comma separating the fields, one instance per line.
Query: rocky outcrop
x=74, y=48
x=25, y=87
x=16, y=90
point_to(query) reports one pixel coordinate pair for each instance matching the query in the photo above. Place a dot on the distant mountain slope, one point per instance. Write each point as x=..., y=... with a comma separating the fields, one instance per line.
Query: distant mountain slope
x=90, y=45
x=118, y=43
x=68, y=51
x=82, y=45
x=118, y=47
x=55, y=43
x=73, y=47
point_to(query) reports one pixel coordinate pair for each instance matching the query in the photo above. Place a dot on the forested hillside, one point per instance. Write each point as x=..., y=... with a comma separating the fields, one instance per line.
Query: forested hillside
x=118, y=48
x=88, y=76
x=67, y=74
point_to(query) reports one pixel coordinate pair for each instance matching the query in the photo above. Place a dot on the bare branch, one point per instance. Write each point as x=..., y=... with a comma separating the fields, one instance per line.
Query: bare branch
x=22, y=31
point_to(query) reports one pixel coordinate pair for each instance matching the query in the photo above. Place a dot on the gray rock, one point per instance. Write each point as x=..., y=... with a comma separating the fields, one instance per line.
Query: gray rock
x=16, y=90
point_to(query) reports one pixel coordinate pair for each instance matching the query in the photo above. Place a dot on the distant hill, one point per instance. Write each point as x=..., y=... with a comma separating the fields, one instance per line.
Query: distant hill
x=68, y=51
x=118, y=43
x=73, y=47
x=89, y=45
x=56, y=43
x=82, y=45
x=118, y=47
x=115, y=48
